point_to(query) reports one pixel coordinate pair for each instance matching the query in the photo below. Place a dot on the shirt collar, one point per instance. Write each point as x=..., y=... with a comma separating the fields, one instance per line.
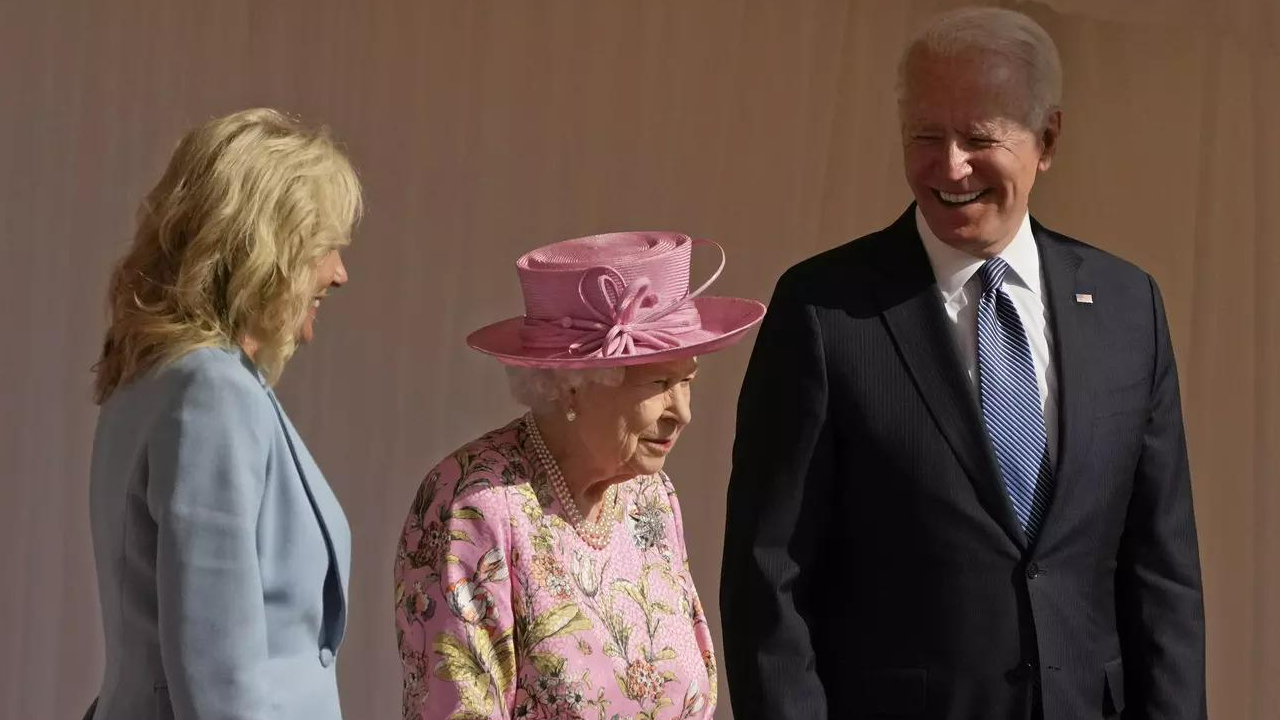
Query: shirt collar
x=953, y=268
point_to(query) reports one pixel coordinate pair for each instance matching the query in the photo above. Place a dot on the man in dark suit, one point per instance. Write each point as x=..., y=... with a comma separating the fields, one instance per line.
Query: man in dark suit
x=960, y=486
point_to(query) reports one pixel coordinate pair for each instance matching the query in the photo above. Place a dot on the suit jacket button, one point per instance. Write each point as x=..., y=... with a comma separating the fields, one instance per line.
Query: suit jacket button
x=1033, y=571
x=326, y=657
x=1022, y=671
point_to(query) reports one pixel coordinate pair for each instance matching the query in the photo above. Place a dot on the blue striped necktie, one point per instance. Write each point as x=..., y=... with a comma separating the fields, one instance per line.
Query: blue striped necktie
x=1010, y=398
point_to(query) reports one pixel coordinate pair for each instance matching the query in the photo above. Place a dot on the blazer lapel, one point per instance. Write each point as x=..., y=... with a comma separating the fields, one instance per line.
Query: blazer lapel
x=328, y=514
x=919, y=326
x=1065, y=277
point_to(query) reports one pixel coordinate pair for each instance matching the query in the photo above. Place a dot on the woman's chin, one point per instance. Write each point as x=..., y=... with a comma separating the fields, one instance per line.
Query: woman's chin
x=648, y=465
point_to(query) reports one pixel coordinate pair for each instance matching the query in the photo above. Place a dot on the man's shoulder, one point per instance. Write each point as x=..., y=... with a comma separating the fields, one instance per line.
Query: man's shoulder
x=845, y=266
x=1101, y=265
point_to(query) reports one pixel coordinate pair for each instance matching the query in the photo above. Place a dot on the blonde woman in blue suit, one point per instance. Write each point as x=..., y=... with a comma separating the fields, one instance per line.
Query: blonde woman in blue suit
x=222, y=554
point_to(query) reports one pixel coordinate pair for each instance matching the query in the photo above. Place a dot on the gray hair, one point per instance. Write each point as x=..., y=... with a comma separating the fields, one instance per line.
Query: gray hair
x=540, y=388
x=1006, y=33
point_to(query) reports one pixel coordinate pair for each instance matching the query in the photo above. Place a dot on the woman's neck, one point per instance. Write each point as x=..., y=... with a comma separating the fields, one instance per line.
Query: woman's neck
x=586, y=480
x=250, y=347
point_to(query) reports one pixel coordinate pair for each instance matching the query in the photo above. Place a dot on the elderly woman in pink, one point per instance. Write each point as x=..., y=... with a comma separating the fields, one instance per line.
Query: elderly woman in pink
x=542, y=572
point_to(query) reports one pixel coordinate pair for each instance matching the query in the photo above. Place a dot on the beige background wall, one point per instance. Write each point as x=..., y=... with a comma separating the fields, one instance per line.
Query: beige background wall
x=485, y=128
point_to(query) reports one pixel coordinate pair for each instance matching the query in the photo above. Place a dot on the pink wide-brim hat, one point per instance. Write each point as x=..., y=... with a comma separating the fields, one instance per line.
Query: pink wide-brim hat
x=612, y=300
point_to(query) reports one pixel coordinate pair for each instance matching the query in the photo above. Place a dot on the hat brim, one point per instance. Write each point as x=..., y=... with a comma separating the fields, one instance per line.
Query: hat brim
x=724, y=321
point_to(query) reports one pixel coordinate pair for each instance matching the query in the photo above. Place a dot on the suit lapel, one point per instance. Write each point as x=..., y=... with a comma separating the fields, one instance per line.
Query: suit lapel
x=1073, y=337
x=920, y=328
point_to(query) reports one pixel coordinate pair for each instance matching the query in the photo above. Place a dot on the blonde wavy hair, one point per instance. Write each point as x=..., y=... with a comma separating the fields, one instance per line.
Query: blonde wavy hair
x=227, y=245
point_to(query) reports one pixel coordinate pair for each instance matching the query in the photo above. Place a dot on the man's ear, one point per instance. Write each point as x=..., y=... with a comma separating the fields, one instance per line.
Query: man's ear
x=1049, y=138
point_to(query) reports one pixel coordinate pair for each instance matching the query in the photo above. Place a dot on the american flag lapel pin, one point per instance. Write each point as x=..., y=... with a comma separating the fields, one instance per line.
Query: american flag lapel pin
x=1086, y=298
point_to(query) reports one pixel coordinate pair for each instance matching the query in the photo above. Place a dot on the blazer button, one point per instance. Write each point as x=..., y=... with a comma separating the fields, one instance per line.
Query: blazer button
x=1034, y=571
x=326, y=657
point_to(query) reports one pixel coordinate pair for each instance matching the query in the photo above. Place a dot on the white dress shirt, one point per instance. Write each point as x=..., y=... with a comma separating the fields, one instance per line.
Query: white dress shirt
x=956, y=272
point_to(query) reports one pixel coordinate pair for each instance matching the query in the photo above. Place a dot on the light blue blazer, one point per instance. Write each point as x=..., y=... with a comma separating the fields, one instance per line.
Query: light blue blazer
x=222, y=554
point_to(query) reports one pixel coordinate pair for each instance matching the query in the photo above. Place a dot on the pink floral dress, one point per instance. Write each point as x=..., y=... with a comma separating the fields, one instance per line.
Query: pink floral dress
x=503, y=611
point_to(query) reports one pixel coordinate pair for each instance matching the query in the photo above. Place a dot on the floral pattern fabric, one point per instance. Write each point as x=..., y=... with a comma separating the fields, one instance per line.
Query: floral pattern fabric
x=503, y=611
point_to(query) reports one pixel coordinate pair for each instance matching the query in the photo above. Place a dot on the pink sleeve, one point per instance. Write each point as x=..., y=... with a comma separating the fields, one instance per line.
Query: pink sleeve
x=677, y=520
x=454, y=618
x=697, y=614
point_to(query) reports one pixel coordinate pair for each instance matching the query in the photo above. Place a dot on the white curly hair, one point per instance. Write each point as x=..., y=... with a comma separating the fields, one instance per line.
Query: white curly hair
x=540, y=388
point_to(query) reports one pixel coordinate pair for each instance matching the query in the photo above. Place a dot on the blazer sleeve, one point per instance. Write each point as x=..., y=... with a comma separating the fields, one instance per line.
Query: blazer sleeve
x=1160, y=606
x=207, y=465
x=778, y=504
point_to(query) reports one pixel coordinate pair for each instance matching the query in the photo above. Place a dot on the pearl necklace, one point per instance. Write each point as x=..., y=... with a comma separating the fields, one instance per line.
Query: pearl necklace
x=595, y=533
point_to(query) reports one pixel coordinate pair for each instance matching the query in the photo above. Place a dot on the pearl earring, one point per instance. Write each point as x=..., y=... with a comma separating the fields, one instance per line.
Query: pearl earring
x=571, y=415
